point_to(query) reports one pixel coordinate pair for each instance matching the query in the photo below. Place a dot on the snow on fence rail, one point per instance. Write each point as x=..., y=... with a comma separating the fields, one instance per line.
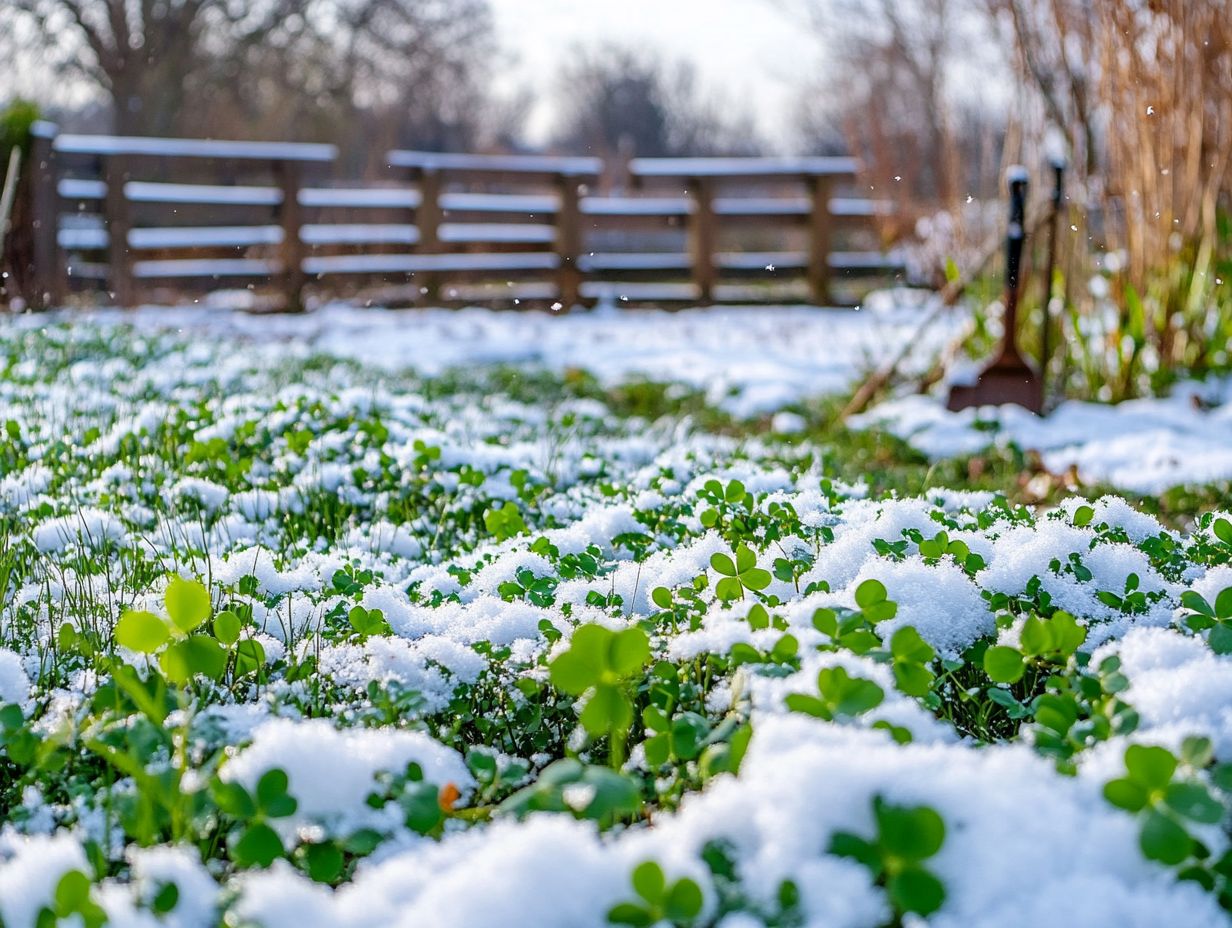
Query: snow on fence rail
x=119, y=213
x=113, y=145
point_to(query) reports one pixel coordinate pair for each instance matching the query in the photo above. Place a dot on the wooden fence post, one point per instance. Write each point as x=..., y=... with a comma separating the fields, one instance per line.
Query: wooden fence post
x=428, y=223
x=116, y=218
x=568, y=242
x=291, y=218
x=702, y=235
x=47, y=274
x=820, y=225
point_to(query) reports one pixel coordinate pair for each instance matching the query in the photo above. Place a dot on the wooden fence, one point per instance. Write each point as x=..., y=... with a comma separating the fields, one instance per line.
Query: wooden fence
x=148, y=218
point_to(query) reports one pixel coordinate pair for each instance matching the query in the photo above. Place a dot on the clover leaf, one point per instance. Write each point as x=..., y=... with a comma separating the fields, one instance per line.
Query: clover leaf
x=840, y=695
x=597, y=665
x=1150, y=788
x=739, y=574
x=187, y=602
x=906, y=837
x=1216, y=618
x=676, y=903
x=910, y=656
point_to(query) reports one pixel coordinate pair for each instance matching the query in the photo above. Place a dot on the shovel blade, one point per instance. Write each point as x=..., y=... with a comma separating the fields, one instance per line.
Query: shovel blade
x=999, y=384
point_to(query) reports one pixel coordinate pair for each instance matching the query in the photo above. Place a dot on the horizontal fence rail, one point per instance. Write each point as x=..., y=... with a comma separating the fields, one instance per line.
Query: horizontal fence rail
x=139, y=217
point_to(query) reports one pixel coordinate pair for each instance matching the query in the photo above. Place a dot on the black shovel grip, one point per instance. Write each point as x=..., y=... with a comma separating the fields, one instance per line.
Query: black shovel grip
x=1017, y=229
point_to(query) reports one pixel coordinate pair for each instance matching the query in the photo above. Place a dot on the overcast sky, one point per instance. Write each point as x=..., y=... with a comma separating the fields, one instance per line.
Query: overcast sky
x=748, y=51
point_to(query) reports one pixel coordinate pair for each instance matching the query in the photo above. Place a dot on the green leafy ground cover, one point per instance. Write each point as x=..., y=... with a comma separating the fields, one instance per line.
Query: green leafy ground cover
x=287, y=641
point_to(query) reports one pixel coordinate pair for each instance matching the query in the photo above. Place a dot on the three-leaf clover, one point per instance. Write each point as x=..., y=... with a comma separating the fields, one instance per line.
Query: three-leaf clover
x=1217, y=618
x=1223, y=530
x=935, y=548
x=681, y=737
x=739, y=575
x=183, y=654
x=853, y=630
x=257, y=844
x=677, y=902
x=72, y=902
x=906, y=837
x=839, y=695
x=598, y=665
x=504, y=522
x=1149, y=788
x=368, y=622
x=1052, y=640
x=872, y=599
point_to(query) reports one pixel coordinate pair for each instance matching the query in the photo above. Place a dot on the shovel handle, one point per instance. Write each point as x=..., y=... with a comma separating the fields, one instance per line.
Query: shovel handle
x=1017, y=232
x=1016, y=235
x=1058, y=192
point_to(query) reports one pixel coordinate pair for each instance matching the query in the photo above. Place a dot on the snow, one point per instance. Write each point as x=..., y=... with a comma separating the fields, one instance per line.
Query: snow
x=1025, y=844
x=205, y=267
x=155, y=867
x=14, y=682
x=858, y=206
x=1177, y=685
x=776, y=206
x=360, y=197
x=331, y=773
x=636, y=206
x=750, y=360
x=205, y=237
x=467, y=202
x=357, y=264
x=193, y=148
x=734, y=260
x=20, y=489
x=866, y=260
x=801, y=783
x=87, y=527
x=1024, y=552
x=358, y=234
x=740, y=167
x=940, y=601
x=77, y=188
x=84, y=239
x=499, y=164
x=278, y=898
x=1144, y=446
x=30, y=868
x=634, y=261
x=212, y=194
x=520, y=233
x=765, y=260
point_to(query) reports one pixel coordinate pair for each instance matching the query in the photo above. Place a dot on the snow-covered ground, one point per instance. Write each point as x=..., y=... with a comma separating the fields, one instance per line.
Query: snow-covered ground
x=1144, y=446
x=751, y=360
x=414, y=565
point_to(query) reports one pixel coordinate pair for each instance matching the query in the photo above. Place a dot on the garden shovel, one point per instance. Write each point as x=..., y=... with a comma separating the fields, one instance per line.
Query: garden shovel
x=1008, y=379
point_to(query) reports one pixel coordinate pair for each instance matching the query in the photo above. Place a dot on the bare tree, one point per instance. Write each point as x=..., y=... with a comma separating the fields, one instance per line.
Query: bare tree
x=617, y=99
x=890, y=82
x=141, y=54
x=177, y=66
